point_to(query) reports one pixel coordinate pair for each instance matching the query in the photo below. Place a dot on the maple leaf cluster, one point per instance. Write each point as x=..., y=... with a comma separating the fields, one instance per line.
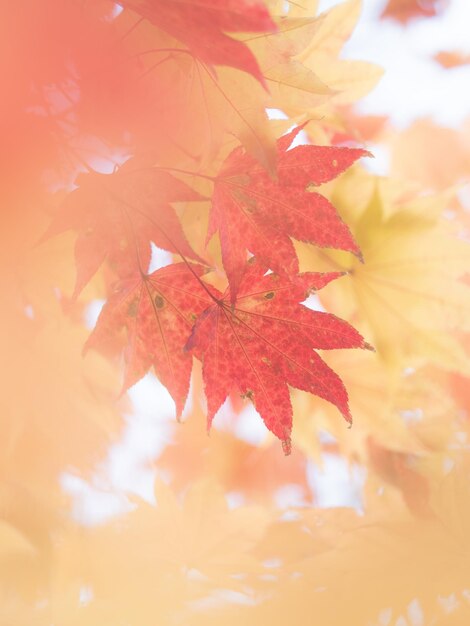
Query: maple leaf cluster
x=258, y=337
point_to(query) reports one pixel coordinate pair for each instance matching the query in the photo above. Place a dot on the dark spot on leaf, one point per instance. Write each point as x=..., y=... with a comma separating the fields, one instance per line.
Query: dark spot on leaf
x=240, y=179
x=159, y=301
x=132, y=308
x=269, y=295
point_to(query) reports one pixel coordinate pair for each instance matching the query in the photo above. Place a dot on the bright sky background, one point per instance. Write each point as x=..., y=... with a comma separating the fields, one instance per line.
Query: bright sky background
x=413, y=85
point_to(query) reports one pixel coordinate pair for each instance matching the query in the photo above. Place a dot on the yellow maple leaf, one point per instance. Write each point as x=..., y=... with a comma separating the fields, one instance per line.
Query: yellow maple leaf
x=157, y=563
x=408, y=296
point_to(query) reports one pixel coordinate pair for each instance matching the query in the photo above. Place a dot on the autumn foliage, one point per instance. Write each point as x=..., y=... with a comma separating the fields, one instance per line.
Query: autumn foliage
x=196, y=172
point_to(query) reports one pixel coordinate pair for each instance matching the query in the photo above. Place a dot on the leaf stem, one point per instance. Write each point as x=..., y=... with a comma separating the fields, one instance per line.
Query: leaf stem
x=213, y=179
x=158, y=50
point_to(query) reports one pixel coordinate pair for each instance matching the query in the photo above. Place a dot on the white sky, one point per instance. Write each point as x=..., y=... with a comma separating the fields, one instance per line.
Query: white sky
x=413, y=85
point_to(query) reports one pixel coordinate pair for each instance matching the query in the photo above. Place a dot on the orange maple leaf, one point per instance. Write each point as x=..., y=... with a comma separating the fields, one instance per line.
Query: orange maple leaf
x=406, y=10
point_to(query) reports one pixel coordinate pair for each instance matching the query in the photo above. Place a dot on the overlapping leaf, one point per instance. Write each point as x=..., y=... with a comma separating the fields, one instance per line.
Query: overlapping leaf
x=202, y=25
x=266, y=342
x=409, y=291
x=255, y=213
x=348, y=79
x=158, y=312
x=230, y=103
x=292, y=86
x=118, y=216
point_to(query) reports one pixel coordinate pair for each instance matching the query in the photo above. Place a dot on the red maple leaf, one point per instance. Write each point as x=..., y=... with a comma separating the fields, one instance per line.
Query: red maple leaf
x=266, y=341
x=202, y=26
x=158, y=312
x=118, y=216
x=255, y=213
